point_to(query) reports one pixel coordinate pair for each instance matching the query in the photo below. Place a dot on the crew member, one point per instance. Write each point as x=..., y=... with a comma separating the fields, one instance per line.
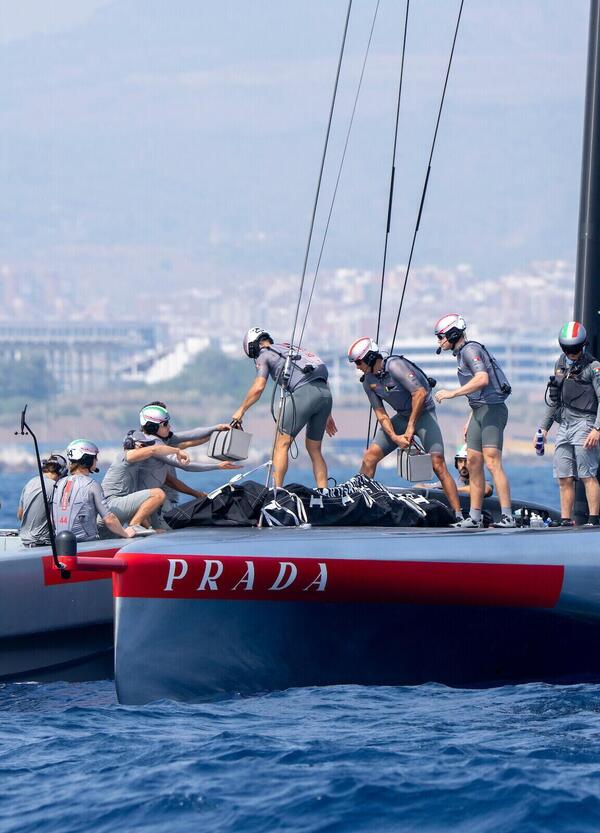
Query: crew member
x=572, y=399
x=120, y=484
x=405, y=387
x=78, y=499
x=460, y=464
x=173, y=486
x=32, y=512
x=486, y=387
x=155, y=472
x=307, y=399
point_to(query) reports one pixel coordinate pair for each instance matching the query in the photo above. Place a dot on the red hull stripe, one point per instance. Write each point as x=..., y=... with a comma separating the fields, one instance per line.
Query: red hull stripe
x=338, y=580
x=52, y=576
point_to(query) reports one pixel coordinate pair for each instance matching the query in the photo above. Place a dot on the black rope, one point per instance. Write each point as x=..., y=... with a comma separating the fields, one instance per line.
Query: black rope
x=426, y=183
x=320, y=179
x=309, y=240
x=391, y=196
x=339, y=174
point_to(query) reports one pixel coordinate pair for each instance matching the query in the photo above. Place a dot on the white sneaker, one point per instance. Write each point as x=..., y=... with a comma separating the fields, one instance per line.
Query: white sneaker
x=505, y=522
x=468, y=523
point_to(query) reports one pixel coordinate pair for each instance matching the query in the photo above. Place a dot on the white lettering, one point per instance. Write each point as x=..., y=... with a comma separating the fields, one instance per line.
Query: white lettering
x=279, y=584
x=321, y=579
x=173, y=574
x=247, y=578
x=209, y=579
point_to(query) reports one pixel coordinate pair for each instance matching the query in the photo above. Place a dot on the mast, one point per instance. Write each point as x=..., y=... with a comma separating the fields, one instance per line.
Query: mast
x=587, y=275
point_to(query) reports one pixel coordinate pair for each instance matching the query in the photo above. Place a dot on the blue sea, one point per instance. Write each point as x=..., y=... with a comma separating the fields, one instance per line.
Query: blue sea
x=427, y=758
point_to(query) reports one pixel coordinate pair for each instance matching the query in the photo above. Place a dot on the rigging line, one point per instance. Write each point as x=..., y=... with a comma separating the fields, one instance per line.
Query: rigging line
x=391, y=195
x=393, y=172
x=320, y=179
x=339, y=174
x=426, y=183
x=288, y=361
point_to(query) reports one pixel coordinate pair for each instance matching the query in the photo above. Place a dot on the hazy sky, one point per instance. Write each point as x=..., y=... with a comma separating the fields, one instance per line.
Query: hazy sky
x=196, y=128
x=21, y=18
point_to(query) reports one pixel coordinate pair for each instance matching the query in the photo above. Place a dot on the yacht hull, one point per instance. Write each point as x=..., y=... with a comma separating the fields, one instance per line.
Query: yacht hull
x=204, y=614
x=52, y=629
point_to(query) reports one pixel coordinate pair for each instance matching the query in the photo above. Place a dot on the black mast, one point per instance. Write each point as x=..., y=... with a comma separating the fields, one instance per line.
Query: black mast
x=587, y=275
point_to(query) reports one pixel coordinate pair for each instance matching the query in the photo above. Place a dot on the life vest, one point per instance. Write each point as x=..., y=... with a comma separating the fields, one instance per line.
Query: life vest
x=72, y=509
x=498, y=377
x=429, y=379
x=575, y=392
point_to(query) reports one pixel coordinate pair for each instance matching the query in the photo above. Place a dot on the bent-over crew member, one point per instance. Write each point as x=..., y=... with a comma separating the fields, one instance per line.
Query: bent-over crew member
x=573, y=397
x=486, y=387
x=405, y=387
x=307, y=400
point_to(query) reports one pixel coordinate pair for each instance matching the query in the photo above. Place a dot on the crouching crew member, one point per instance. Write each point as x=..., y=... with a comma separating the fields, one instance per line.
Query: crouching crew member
x=32, y=512
x=486, y=387
x=572, y=398
x=120, y=484
x=307, y=399
x=78, y=499
x=156, y=471
x=405, y=387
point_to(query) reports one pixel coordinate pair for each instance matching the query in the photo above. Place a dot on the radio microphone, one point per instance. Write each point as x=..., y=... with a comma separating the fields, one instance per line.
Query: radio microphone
x=438, y=351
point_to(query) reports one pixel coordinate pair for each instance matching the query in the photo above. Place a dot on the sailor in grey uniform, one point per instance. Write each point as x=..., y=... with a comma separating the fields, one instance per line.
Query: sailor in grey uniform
x=79, y=499
x=307, y=400
x=156, y=471
x=483, y=382
x=573, y=401
x=32, y=512
x=403, y=385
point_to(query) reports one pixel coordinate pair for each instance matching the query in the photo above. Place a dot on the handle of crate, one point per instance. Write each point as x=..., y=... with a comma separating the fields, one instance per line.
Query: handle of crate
x=417, y=445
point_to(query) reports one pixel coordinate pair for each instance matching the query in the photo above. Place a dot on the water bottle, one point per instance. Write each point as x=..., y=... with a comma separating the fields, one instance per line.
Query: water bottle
x=539, y=442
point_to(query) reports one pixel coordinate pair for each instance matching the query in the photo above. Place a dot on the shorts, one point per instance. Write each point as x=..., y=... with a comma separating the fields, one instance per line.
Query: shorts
x=486, y=427
x=308, y=405
x=426, y=429
x=125, y=506
x=571, y=459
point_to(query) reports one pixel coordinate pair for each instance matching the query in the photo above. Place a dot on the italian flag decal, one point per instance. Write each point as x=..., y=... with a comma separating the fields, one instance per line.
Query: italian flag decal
x=570, y=330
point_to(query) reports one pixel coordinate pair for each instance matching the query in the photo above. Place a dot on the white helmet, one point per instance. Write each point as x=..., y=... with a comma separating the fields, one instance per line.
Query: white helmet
x=452, y=326
x=155, y=415
x=83, y=452
x=364, y=349
x=461, y=454
x=252, y=339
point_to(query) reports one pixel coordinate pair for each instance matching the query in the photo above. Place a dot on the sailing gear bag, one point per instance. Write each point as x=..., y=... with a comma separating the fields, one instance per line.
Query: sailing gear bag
x=231, y=506
x=359, y=501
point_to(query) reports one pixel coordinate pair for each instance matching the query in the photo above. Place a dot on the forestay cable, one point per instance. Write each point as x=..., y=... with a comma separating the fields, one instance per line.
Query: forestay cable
x=286, y=370
x=320, y=179
x=339, y=174
x=391, y=194
x=426, y=183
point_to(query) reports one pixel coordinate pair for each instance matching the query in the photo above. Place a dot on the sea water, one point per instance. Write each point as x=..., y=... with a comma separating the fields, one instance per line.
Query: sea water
x=343, y=758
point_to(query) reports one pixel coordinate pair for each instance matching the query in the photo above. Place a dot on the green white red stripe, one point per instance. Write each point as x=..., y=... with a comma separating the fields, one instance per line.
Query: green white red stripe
x=570, y=330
